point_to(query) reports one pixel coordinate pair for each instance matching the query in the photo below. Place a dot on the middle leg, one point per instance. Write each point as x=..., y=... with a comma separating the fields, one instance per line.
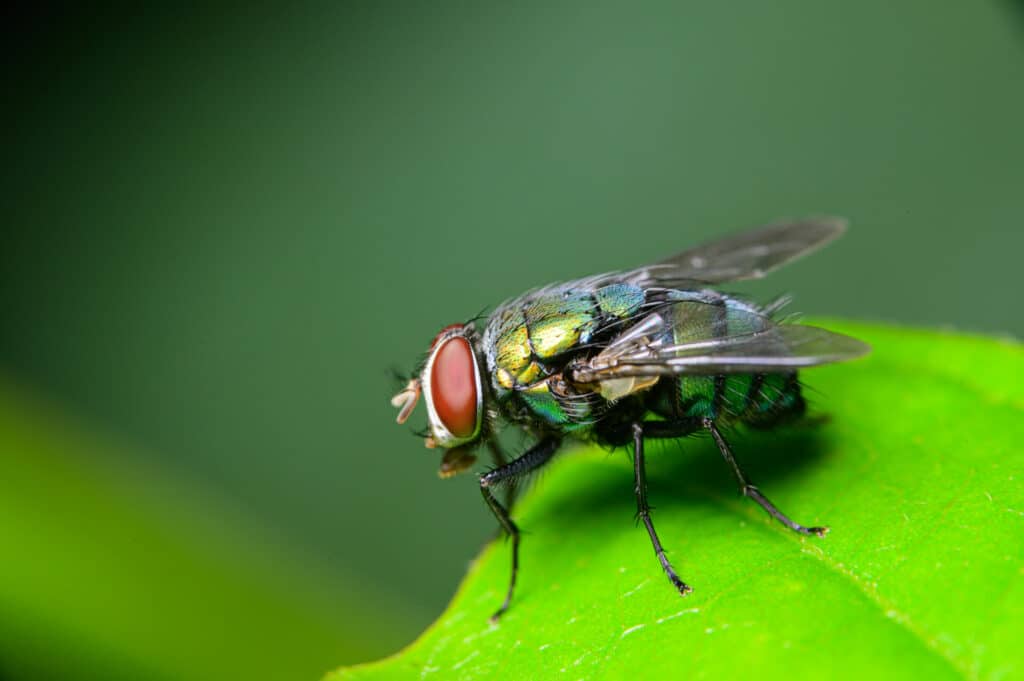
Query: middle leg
x=643, y=509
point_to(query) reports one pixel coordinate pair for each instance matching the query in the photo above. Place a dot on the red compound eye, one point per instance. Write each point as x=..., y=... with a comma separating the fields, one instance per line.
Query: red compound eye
x=453, y=386
x=444, y=332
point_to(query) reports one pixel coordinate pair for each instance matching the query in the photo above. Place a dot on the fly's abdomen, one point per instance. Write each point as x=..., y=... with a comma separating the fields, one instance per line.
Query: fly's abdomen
x=774, y=398
x=696, y=396
x=753, y=398
x=760, y=400
x=716, y=397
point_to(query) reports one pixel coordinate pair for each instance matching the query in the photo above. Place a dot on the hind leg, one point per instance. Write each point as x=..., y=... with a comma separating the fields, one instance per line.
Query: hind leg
x=748, y=489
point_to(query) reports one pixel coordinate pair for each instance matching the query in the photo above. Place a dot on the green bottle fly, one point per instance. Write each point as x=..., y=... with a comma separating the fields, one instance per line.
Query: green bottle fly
x=618, y=358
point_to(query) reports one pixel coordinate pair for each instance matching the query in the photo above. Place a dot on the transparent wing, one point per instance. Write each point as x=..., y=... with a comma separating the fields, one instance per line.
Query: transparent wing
x=699, y=338
x=748, y=255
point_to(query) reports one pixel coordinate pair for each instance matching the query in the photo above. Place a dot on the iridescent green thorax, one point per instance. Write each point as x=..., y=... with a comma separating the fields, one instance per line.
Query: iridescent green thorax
x=529, y=339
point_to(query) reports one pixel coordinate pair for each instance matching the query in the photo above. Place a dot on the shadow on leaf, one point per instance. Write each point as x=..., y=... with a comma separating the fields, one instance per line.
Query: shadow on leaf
x=676, y=469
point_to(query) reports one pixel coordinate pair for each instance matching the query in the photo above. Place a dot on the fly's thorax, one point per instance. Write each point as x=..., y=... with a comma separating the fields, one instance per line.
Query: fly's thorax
x=528, y=338
x=530, y=341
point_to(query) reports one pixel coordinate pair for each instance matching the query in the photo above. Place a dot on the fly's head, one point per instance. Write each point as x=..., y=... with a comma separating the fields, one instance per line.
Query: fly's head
x=453, y=387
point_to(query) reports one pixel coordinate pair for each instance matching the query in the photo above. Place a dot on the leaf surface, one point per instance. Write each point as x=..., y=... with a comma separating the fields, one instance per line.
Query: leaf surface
x=918, y=470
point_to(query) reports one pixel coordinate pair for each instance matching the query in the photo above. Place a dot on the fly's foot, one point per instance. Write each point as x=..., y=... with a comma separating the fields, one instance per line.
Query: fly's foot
x=493, y=619
x=816, y=531
x=682, y=586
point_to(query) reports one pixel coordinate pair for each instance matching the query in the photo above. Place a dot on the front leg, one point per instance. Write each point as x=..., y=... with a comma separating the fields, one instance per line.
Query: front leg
x=534, y=458
x=499, y=459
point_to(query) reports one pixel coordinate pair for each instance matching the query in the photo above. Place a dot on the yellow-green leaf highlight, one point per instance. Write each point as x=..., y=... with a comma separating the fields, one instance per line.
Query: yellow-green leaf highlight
x=111, y=569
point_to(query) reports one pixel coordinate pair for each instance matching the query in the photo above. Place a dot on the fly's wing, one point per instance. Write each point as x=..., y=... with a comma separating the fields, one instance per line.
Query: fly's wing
x=748, y=255
x=701, y=338
x=639, y=342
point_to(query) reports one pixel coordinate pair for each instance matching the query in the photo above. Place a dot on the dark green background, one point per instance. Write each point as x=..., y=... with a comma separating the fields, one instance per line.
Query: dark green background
x=224, y=228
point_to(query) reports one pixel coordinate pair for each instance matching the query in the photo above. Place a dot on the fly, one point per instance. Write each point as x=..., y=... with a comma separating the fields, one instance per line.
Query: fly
x=621, y=358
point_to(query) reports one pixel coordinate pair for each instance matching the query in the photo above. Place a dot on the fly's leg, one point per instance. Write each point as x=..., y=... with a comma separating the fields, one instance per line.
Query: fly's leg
x=747, y=489
x=643, y=509
x=534, y=458
x=499, y=459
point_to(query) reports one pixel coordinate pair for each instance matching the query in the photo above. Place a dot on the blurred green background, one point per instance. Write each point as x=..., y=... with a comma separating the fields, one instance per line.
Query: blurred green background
x=225, y=227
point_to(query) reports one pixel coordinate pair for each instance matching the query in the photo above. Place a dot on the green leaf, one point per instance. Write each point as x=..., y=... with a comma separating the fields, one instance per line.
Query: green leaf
x=114, y=570
x=919, y=471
